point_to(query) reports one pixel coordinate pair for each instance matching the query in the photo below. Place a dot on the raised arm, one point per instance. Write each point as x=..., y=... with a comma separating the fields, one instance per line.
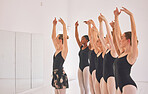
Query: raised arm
x=65, y=47
x=54, y=33
x=89, y=28
x=134, y=48
x=117, y=30
x=94, y=31
x=94, y=39
x=89, y=32
x=101, y=34
x=109, y=34
x=112, y=24
x=76, y=34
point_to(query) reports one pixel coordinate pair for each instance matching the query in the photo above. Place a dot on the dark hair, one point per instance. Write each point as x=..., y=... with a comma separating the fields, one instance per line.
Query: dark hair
x=128, y=35
x=61, y=37
x=86, y=37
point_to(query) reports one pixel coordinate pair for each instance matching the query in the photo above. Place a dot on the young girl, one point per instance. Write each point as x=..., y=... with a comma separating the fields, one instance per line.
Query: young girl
x=60, y=80
x=123, y=64
x=83, y=70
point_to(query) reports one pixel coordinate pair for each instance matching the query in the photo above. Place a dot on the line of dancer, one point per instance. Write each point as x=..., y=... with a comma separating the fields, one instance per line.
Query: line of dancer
x=104, y=61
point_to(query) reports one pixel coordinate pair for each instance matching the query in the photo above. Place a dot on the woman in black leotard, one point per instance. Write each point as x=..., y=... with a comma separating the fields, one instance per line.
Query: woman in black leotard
x=59, y=80
x=83, y=70
x=123, y=64
x=109, y=57
x=93, y=56
x=98, y=64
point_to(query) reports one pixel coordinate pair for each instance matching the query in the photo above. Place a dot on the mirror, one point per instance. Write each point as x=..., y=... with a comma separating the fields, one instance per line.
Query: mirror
x=21, y=61
x=7, y=62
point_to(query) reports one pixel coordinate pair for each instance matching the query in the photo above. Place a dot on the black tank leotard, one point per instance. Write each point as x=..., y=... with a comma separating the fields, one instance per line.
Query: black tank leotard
x=108, y=66
x=93, y=57
x=58, y=61
x=99, y=69
x=122, y=73
x=60, y=79
x=83, y=55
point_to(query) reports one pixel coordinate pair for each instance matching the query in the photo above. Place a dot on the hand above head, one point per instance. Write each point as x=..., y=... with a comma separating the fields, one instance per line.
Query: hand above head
x=117, y=12
x=91, y=22
x=54, y=21
x=61, y=21
x=102, y=17
x=112, y=24
x=87, y=22
x=126, y=11
x=76, y=24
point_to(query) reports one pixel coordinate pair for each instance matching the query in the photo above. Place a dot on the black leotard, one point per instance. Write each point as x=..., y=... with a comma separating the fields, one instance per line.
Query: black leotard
x=99, y=69
x=60, y=79
x=108, y=66
x=122, y=73
x=58, y=61
x=83, y=55
x=93, y=57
